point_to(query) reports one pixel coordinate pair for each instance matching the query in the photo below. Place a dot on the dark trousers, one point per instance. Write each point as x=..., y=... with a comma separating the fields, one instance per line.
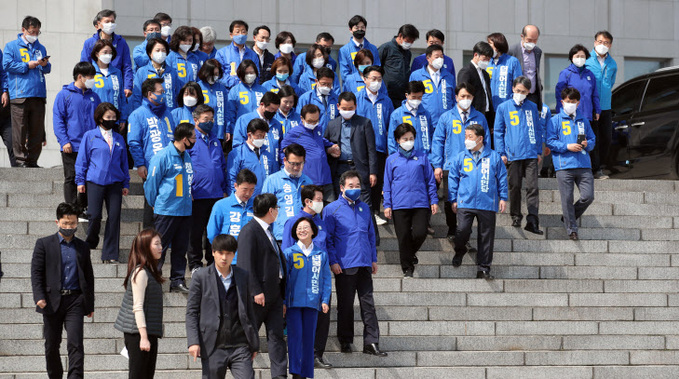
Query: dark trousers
x=112, y=195
x=174, y=231
x=517, y=170
x=71, y=194
x=301, y=324
x=376, y=192
x=535, y=97
x=322, y=331
x=28, y=128
x=451, y=217
x=200, y=216
x=68, y=316
x=583, y=178
x=348, y=283
x=485, y=235
x=603, y=130
x=6, y=134
x=410, y=226
x=142, y=364
x=148, y=216
x=238, y=359
x=271, y=315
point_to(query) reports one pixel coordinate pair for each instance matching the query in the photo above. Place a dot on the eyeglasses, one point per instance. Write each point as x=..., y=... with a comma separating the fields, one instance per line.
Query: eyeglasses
x=33, y=35
x=303, y=228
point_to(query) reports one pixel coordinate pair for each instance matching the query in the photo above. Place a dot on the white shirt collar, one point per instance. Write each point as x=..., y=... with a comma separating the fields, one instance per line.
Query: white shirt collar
x=237, y=198
x=356, y=43
x=460, y=110
x=306, y=250
x=411, y=109
x=432, y=72
x=373, y=98
x=263, y=224
x=105, y=132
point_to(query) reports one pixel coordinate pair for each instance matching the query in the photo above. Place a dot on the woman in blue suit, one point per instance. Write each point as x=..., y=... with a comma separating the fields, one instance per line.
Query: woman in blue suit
x=108, y=82
x=582, y=79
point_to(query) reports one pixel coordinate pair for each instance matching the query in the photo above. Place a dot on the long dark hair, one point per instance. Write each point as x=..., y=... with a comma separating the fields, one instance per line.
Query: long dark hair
x=141, y=256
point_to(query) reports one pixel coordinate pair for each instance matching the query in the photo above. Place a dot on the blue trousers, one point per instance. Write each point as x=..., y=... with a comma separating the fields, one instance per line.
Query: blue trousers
x=112, y=195
x=301, y=335
x=174, y=231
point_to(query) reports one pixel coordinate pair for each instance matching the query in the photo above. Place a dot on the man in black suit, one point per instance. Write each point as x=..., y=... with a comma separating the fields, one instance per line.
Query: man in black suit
x=529, y=55
x=220, y=321
x=63, y=291
x=260, y=255
x=472, y=74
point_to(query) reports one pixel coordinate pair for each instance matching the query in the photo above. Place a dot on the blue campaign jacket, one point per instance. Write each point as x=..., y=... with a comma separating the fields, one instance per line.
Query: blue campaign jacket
x=273, y=137
x=207, y=158
x=307, y=82
x=229, y=58
x=605, y=77
x=148, y=133
x=347, y=53
x=109, y=88
x=288, y=122
x=545, y=116
x=23, y=82
x=172, y=85
x=168, y=185
x=274, y=86
x=421, y=61
x=243, y=157
x=300, y=66
x=327, y=113
x=584, y=81
x=518, y=130
x=229, y=217
x=409, y=182
x=3, y=76
x=309, y=280
x=563, y=130
x=422, y=124
x=319, y=241
x=316, y=165
x=354, y=83
x=215, y=96
x=73, y=115
x=242, y=99
x=378, y=113
x=437, y=99
x=351, y=234
x=139, y=56
x=186, y=68
x=99, y=164
x=502, y=75
x=122, y=60
x=183, y=114
x=449, y=136
x=199, y=57
x=478, y=185
x=288, y=193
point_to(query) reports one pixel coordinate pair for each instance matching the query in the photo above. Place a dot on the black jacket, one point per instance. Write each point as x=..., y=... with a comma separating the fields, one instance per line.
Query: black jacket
x=46, y=273
x=362, y=145
x=265, y=73
x=517, y=52
x=257, y=256
x=468, y=74
x=396, y=63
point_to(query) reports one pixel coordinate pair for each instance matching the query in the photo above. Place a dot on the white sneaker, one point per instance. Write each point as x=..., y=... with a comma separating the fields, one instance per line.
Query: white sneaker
x=379, y=220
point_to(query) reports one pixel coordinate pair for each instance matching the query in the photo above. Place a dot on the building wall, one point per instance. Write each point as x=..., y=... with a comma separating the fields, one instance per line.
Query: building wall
x=646, y=29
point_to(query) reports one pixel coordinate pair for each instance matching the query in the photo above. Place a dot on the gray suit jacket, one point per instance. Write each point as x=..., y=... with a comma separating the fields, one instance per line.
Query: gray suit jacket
x=516, y=51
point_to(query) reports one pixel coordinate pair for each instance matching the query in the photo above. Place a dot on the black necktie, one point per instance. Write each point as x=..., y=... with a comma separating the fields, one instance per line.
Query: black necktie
x=360, y=46
x=325, y=100
x=464, y=117
x=257, y=151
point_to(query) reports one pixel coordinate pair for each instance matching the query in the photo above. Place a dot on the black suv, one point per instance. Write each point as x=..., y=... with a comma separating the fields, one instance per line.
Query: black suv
x=646, y=127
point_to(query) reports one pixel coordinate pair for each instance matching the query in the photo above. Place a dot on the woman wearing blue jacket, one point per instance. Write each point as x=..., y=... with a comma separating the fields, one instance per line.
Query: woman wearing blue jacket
x=108, y=82
x=308, y=290
x=189, y=97
x=245, y=96
x=409, y=195
x=101, y=170
x=183, y=63
x=503, y=69
x=215, y=93
x=157, y=67
x=281, y=70
x=579, y=77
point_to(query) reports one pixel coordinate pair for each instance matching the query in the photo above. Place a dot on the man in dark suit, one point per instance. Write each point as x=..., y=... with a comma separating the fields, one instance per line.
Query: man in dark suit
x=220, y=321
x=472, y=74
x=63, y=291
x=529, y=55
x=260, y=255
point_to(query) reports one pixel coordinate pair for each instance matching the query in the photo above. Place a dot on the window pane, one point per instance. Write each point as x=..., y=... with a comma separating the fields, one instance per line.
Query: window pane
x=636, y=66
x=626, y=99
x=467, y=56
x=662, y=93
x=554, y=64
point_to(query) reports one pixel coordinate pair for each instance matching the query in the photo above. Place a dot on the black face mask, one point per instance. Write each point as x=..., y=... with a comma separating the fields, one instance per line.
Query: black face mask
x=191, y=145
x=269, y=115
x=328, y=50
x=359, y=34
x=109, y=124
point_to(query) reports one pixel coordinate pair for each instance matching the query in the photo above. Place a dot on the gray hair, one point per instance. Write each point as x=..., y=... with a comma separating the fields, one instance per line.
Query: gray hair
x=209, y=34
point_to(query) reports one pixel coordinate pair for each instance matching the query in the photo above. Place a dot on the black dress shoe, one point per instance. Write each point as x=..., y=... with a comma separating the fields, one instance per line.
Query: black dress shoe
x=319, y=362
x=457, y=259
x=345, y=347
x=415, y=260
x=573, y=236
x=450, y=237
x=484, y=275
x=181, y=288
x=30, y=165
x=470, y=249
x=408, y=273
x=374, y=349
x=533, y=228
x=516, y=222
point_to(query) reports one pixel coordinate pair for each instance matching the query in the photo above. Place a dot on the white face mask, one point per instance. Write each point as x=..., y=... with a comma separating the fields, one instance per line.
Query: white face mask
x=310, y=126
x=570, y=108
x=286, y=48
x=316, y=206
x=258, y=142
x=529, y=46
x=406, y=45
x=601, y=49
x=108, y=28
x=262, y=45
x=106, y=58
x=347, y=114
x=482, y=64
x=190, y=101
x=30, y=39
x=407, y=145
x=196, y=47
x=250, y=78
x=579, y=62
x=159, y=56
x=437, y=63
x=185, y=48
x=324, y=90
x=465, y=103
x=375, y=86
x=89, y=83
x=165, y=31
x=414, y=103
x=318, y=62
x=470, y=144
x=518, y=98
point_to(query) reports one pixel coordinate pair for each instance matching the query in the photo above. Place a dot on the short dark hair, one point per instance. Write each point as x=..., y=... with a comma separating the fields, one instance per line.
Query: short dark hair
x=84, y=69
x=604, y=33
x=153, y=42
x=244, y=65
x=101, y=109
x=200, y=109
x=282, y=36
x=465, y=86
x=208, y=68
x=314, y=228
x=30, y=21
x=286, y=91
x=149, y=85
x=346, y=96
x=499, y=41
x=361, y=55
x=183, y=130
x=246, y=176
x=326, y=36
x=196, y=88
x=309, y=58
x=477, y=129
x=102, y=14
x=66, y=209
x=348, y=175
x=409, y=31
x=436, y=34
x=575, y=49
x=296, y=149
x=262, y=203
x=257, y=124
x=402, y=129
x=181, y=33
x=238, y=22
x=308, y=192
x=261, y=27
x=160, y=16
x=524, y=81
x=325, y=72
x=431, y=48
x=225, y=242
x=309, y=108
x=356, y=20
x=483, y=48
x=149, y=22
x=279, y=62
x=372, y=68
x=570, y=93
x=270, y=98
x=100, y=44
x=415, y=86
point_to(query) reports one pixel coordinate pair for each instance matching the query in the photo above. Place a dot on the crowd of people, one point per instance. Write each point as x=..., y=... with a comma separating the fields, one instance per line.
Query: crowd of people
x=275, y=171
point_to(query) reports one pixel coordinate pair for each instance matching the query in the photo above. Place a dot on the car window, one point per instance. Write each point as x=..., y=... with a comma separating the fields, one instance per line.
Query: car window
x=662, y=93
x=626, y=99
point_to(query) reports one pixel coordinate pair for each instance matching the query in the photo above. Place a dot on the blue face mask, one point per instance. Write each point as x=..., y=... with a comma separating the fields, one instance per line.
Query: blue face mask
x=150, y=36
x=362, y=68
x=240, y=39
x=159, y=99
x=282, y=77
x=352, y=194
x=206, y=127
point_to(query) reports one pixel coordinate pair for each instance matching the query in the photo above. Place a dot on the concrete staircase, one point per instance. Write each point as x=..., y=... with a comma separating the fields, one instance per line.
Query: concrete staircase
x=603, y=307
